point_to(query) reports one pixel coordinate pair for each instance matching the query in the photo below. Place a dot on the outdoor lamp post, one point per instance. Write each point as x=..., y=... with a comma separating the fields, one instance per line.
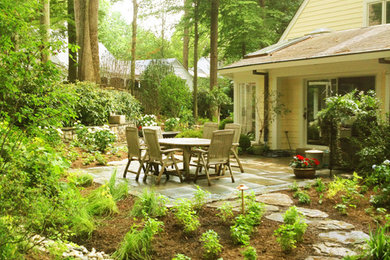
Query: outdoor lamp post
x=242, y=187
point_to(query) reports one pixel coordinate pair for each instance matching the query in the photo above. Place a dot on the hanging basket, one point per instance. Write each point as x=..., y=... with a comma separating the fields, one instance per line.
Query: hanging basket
x=304, y=173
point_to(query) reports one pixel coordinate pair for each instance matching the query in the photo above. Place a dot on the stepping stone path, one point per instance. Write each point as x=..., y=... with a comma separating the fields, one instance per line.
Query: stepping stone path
x=337, y=238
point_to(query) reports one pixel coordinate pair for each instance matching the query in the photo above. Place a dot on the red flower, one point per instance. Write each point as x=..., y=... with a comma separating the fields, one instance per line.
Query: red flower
x=316, y=161
x=300, y=157
x=306, y=163
x=307, y=159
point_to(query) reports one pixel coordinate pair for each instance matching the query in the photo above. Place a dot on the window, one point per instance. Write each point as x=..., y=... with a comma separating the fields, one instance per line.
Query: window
x=378, y=12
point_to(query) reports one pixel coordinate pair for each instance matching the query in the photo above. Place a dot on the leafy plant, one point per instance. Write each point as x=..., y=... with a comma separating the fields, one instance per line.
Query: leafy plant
x=80, y=179
x=137, y=244
x=319, y=185
x=117, y=191
x=286, y=237
x=186, y=215
x=211, y=246
x=250, y=253
x=190, y=133
x=101, y=202
x=100, y=159
x=225, y=211
x=181, y=257
x=342, y=208
x=302, y=162
x=244, y=142
x=96, y=138
x=380, y=177
x=149, y=204
x=294, y=186
x=302, y=196
x=200, y=198
x=171, y=123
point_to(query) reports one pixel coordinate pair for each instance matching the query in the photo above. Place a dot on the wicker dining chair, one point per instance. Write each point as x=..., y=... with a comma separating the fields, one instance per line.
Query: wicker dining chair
x=136, y=151
x=208, y=129
x=217, y=155
x=157, y=156
x=236, y=140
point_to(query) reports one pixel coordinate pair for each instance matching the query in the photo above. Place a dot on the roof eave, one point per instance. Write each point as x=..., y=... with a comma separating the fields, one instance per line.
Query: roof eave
x=340, y=57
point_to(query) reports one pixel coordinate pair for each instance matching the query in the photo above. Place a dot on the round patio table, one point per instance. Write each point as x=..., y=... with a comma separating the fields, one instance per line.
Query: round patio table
x=186, y=144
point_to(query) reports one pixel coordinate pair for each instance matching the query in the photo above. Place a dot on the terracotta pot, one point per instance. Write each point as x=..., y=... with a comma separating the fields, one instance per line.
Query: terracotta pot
x=304, y=173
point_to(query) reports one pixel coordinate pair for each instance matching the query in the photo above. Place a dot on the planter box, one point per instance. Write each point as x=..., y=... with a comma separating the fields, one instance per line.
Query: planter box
x=304, y=173
x=117, y=119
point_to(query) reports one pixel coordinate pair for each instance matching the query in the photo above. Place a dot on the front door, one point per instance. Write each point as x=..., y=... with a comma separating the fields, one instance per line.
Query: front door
x=317, y=92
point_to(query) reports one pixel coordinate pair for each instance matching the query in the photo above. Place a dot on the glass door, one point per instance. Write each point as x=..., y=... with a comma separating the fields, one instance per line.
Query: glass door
x=317, y=92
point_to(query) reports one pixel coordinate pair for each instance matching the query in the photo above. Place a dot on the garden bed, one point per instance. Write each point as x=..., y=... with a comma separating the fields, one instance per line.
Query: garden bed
x=172, y=240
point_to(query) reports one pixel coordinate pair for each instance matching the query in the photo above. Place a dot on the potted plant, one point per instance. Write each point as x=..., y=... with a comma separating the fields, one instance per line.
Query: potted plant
x=304, y=167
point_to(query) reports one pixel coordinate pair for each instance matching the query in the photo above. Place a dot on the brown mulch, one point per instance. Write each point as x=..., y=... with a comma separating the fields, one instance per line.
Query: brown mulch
x=173, y=240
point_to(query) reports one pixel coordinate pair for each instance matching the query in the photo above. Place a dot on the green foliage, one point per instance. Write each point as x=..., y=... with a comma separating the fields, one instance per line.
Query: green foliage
x=292, y=230
x=319, y=185
x=151, y=81
x=244, y=223
x=200, y=198
x=186, y=215
x=100, y=158
x=80, y=179
x=379, y=243
x=118, y=190
x=380, y=177
x=224, y=122
x=341, y=208
x=349, y=190
x=245, y=142
x=250, y=253
x=101, y=202
x=94, y=104
x=96, y=138
x=181, y=257
x=294, y=186
x=211, y=246
x=174, y=96
x=171, y=123
x=137, y=244
x=225, y=211
x=190, y=133
x=149, y=204
x=302, y=197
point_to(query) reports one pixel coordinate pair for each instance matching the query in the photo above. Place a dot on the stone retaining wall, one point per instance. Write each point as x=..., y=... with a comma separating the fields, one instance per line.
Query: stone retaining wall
x=118, y=129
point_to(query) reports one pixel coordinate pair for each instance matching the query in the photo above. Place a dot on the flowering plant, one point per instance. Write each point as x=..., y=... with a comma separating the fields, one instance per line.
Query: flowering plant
x=302, y=162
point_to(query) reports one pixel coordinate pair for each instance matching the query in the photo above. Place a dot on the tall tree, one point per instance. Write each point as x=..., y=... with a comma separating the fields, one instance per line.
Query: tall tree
x=196, y=39
x=88, y=68
x=186, y=36
x=133, y=46
x=72, y=41
x=214, y=47
x=45, y=29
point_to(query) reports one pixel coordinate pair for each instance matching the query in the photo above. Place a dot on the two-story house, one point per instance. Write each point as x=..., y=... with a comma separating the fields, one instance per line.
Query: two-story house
x=330, y=46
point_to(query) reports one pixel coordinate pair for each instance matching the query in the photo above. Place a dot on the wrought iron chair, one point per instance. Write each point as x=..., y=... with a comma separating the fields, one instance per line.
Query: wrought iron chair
x=236, y=140
x=158, y=156
x=136, y=151
x=217, y=155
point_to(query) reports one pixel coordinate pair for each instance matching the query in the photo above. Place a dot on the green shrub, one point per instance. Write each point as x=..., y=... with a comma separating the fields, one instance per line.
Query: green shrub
x=94, y=104
x=200, y=198
x=100, y=158
x=120, y=190
x=319, y=185
x=137, y=244
x=224, y=122
x=186, y=215
x=211, y=246
x=302, y=196
x=250, y=253
x=244, y=142
x=378, y=246
x=93, y=139
x=380, y=177
x=149, y=204
x=171, y=123
x=181, y=257
x=80, y=179
x=101, y=202
x=190, y=133
x=225, y=211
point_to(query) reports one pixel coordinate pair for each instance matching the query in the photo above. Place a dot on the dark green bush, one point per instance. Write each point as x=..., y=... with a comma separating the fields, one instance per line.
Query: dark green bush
x=224, y=122
x=190, y=133
x=245, y=142
x=94, y=104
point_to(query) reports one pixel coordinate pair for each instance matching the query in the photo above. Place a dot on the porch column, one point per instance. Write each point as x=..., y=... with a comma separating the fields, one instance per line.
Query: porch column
x=236, y=103
x=274, y=125
x=387, y=92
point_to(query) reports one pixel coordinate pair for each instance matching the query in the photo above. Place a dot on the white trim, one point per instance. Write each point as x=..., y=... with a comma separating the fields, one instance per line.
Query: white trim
x=274, y=129
x=366, y=14
x=293, y=21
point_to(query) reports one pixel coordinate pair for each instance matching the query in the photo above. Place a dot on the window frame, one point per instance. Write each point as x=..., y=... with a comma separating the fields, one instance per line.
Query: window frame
x=366, y=11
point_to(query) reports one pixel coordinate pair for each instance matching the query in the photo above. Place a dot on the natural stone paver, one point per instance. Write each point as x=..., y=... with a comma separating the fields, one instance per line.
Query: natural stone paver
x=277, y=199
x=332, y=249
x=345, y=237
x=321, y=258
x=313, y=213
x=236, y=204
x=278, y=217
x=331, y=224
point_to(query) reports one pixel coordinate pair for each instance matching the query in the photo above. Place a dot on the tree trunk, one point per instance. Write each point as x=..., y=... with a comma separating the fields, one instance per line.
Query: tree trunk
x=87, y=63
x=214, y=48
x=72, y=59
x=93, y=34
x=45, y=30
x=133, y=46
x=196, y=39
x=186, y=38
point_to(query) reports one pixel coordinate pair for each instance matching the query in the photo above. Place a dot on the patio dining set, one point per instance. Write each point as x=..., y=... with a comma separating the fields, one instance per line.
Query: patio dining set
x=156, y=155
